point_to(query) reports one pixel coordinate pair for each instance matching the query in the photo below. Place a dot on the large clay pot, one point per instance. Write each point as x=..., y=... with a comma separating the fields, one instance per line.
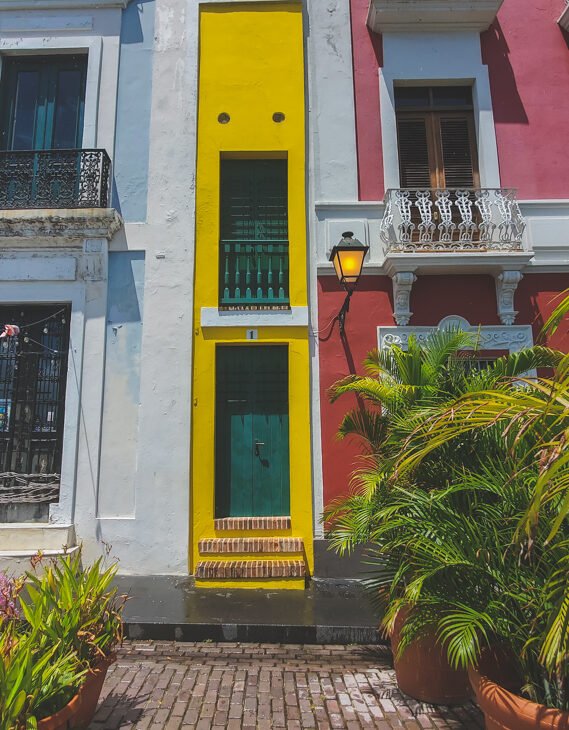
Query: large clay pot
x=59, y=721
x=423, y=671
x=89, y=693
x=79, y=712
x=504, y=710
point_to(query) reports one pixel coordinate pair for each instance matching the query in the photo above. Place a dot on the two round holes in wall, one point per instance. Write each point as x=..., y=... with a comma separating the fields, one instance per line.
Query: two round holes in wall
x=224, y=117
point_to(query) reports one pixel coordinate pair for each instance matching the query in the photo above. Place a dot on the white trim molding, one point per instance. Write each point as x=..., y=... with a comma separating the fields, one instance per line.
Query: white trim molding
x=431, y=15
x=506, y=285
x=490, y=337
x=564, y=18
x=73, y=224
x=61, y=4
x=402, y=285
x=251, y=318
x=437, y=58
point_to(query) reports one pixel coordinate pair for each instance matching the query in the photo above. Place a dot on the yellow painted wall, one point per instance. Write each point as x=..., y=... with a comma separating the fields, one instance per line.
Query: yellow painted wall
x=251, y=66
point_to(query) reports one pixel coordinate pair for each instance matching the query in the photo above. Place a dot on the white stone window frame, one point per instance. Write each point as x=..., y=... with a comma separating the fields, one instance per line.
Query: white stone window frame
x=437, y=59
x=512, y=338
x=95, y=32
x=70, y=292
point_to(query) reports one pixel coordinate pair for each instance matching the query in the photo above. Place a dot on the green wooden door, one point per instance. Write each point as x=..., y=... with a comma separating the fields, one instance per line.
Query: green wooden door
x=252, y=431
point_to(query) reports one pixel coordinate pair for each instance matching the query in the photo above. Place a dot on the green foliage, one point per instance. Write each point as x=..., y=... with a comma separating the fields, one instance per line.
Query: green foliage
x=69, y=617
x=77, y=607
x=464, y=497
x=37, y=678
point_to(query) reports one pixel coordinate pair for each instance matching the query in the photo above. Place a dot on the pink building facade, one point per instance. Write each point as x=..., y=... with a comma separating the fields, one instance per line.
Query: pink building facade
x=450, y=141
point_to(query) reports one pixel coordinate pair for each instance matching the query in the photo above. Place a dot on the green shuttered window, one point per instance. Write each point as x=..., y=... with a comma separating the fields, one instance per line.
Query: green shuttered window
x=254, y=234
x=43, y=100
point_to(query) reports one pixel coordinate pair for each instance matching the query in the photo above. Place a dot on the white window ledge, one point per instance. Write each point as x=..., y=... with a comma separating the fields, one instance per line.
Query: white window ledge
x=431, y=15
x=293, y=317
x=66, y=224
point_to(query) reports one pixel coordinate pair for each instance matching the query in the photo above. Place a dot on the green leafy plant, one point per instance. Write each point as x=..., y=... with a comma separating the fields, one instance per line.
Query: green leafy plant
x=532, y=423
x=463, y=497
x=56, y=626
x=401, y=390
x=76, y=607
x=36, y=678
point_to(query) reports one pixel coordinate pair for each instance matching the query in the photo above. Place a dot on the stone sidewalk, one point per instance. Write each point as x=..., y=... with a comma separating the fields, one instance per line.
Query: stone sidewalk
x=207, y=685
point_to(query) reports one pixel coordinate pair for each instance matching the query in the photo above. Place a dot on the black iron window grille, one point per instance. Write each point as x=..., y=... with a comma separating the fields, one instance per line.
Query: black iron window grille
x=54, y=179
x=33, y=374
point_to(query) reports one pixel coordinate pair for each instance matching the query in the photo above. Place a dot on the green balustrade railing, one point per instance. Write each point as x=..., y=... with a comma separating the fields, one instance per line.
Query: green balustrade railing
x=253, y=274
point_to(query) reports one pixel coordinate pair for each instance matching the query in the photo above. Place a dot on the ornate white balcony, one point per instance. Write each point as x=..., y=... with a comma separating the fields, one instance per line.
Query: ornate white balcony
x=431, y=15
x=445, y=220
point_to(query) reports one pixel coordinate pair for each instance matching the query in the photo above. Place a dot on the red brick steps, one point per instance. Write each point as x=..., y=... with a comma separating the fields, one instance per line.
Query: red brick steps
x=224, y=545
x=247, y=558
x=249, y=569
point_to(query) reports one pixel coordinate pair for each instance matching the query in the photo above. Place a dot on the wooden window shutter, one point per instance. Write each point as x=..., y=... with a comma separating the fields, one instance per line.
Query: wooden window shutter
x=414, y=153
x=458, y=151
x=254, y=200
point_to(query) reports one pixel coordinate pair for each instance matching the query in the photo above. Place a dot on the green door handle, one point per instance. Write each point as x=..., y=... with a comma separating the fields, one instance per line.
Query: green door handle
x=257, y=444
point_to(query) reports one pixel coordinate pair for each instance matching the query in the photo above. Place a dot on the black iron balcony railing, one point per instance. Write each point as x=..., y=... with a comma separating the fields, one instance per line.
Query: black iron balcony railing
x=54, y=179
x=480, y=219
x=253, y=274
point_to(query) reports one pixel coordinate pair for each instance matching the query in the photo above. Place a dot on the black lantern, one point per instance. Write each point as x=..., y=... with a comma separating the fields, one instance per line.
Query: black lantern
x=348, y=258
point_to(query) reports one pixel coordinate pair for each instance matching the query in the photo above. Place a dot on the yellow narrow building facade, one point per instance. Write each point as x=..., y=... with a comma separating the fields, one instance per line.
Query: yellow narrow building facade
x=251, y=517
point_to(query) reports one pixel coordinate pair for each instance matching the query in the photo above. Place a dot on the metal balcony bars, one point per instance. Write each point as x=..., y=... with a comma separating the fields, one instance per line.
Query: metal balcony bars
x=254, y=274
x=75, y=178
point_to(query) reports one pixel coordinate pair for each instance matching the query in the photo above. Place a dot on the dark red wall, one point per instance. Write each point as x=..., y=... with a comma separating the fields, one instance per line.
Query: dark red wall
x=527, y=55
x=433, y=297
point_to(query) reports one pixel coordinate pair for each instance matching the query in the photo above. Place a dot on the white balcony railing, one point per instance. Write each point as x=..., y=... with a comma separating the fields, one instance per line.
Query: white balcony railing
x=483, y=219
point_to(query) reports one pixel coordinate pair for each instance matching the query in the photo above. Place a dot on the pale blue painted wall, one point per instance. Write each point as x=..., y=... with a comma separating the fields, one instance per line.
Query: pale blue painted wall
x=121, y=396
x=133, y=111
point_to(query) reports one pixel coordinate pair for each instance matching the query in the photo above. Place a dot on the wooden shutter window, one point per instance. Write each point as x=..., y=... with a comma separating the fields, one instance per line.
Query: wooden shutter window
x=415, y=163
x=456, y=141
x=254, y=200
x=436, y=137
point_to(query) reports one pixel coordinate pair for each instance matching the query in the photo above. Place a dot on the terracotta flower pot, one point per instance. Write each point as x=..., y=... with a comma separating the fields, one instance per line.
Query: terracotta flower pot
x=423, y=671
x=504, y=710
x=80, y=710
x=88, y=696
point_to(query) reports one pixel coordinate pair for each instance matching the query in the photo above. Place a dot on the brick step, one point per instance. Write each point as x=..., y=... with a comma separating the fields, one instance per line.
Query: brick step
x=250, y=569
x=252, y=523
x=224, y=545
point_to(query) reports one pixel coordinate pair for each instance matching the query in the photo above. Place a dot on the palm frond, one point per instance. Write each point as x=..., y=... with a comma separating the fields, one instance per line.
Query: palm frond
x=558, y=314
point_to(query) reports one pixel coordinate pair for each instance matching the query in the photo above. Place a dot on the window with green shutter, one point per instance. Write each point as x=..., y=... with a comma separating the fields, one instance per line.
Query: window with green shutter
x=42, y=100
x=254, y=234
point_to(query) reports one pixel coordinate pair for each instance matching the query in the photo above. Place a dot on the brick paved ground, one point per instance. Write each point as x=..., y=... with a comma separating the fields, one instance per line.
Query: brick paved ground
x=173, y=685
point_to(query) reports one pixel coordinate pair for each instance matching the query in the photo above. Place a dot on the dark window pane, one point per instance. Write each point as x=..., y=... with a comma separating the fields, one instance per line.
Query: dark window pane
x=452, y=96
x=412, y=97
x=414, y=165
x=456, y=149
x=67, y=109
x=25, y=111
x=254, y=200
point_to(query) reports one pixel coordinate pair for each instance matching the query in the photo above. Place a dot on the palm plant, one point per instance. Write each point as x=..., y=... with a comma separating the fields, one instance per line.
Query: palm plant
x=537, y=414
x=486, y=569
x=455, y=556
x=400, y=389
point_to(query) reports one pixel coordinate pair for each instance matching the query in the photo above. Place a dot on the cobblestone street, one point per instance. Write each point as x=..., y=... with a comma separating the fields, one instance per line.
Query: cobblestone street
x=206, y=685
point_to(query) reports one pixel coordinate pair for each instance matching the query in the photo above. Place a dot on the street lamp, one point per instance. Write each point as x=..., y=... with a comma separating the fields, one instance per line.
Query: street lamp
x=348, y=258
